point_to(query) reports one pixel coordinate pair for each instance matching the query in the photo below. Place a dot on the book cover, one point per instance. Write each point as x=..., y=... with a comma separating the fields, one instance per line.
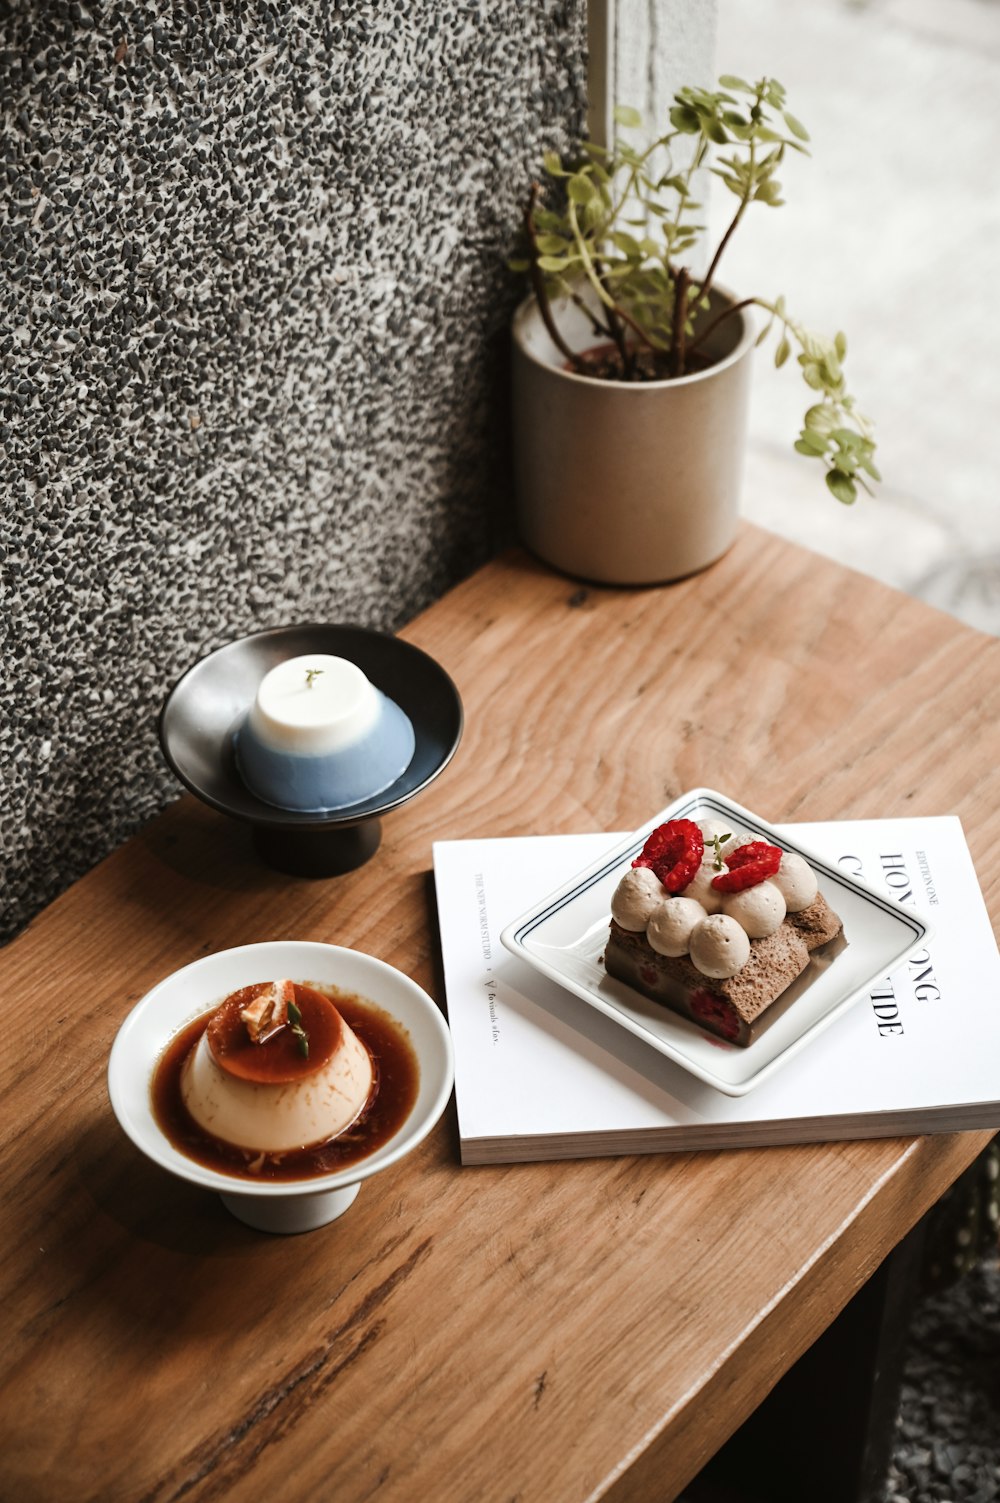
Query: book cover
x=540, y=1074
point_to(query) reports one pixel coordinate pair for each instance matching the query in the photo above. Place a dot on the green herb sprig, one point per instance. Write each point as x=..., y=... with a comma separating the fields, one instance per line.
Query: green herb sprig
x=295, y=1023
x=719, y=841
x=313, y=673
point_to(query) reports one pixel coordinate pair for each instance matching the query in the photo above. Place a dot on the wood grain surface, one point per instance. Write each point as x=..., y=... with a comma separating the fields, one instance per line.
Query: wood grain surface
x=571, y=1331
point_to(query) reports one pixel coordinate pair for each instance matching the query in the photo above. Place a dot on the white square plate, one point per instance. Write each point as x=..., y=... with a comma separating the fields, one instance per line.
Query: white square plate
x=564, y=937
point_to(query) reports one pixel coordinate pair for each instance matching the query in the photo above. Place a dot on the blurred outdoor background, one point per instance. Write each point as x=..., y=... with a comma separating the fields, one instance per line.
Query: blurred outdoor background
x=890, y=231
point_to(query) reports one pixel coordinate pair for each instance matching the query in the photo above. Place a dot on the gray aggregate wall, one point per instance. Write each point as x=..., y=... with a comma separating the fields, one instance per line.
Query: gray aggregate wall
x=253, y=350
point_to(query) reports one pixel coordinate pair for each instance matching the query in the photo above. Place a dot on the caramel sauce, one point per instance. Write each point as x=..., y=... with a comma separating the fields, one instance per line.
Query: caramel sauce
x=397, y=1078
x=279, y=1060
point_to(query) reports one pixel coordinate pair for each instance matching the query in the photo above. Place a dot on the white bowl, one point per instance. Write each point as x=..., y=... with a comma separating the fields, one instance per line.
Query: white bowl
x=289, y=1205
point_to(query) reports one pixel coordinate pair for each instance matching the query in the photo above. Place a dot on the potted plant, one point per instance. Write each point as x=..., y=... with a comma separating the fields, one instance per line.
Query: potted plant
x=631, y=371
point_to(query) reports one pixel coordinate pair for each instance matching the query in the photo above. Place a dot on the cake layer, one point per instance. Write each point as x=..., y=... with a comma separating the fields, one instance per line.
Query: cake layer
x=729, y=1008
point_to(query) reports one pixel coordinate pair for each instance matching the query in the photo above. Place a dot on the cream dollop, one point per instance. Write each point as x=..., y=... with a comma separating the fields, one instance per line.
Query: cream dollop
x=636, y=896
x=759, y=909
x=796, y=881
x=671, y=924
x=700, y=887
x=719, y=946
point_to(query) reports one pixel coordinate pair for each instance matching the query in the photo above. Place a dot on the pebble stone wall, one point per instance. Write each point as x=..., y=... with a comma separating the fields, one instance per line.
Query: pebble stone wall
x=252, y=351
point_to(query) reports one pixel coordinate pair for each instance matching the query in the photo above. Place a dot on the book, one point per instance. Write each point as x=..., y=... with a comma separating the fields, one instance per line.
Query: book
x=540, y=1074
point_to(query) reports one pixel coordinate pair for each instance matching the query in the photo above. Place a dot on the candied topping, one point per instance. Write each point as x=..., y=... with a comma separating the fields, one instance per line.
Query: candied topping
x=268, y=1012
x=748, y=864
x=674, y=851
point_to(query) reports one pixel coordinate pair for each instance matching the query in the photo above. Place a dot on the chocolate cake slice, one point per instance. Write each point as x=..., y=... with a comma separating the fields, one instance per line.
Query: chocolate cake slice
x=731, y=1007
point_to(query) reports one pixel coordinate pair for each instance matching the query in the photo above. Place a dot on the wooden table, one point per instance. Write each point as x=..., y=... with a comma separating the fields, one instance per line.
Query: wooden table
x=572, y=1331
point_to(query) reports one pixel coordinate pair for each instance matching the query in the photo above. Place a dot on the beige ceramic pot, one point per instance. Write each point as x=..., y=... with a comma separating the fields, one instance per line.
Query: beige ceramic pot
x=627, y=483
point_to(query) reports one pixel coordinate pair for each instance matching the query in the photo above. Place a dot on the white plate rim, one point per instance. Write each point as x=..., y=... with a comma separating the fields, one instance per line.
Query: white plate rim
x=698, y=802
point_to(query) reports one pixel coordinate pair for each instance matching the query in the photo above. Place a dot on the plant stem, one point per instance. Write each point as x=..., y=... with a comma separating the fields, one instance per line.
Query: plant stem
x=538, y=284
x=692, y=167
x=706, y=285
x=599, y=288
x=677, y=352
x=615, y=330
x=604, y=330
x=720, y=318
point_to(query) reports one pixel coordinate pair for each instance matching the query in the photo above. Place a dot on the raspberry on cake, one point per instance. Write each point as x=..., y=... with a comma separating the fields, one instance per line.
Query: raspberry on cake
x=716, y=937
x=674, y=851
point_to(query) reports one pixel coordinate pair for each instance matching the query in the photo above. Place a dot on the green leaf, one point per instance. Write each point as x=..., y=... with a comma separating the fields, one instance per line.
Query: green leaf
x=627, y=244
x=810, y=442
x=716, y=131
x=769, y=192
x=842, y=486
x=731, y=81
x=685, y=119
x=294, y=1013
x=820, y=418
x=840, y=345
x=732, y=183
x=594, y=213
x=580, y=189
x=553, y=245
x=552, y=162
x=553, y=263
x=518, y=265
x=795, y=126
x=782, y=353
x=627, y=116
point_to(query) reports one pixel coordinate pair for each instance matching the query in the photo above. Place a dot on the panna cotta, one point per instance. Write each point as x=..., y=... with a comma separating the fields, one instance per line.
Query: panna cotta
x=320, y=736
x=277, y=1069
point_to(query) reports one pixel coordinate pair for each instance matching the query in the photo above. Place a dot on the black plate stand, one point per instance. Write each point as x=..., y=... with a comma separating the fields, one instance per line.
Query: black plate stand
x=317, y=853
x=210, y=700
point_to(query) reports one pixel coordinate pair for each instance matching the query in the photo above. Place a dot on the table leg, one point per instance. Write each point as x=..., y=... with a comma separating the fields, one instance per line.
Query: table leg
x=825, y=1431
